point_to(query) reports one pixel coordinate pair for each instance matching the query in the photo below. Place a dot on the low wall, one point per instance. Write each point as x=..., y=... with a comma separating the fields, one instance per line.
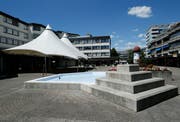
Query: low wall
x=166, y=75
x=60, y=86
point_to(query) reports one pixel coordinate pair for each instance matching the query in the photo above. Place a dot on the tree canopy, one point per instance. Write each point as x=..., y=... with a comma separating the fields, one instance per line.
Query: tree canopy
x=114, y=53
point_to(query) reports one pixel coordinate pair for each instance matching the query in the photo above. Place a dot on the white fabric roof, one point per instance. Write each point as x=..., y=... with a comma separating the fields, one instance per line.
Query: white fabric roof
x=75, y=50
x=47, y=44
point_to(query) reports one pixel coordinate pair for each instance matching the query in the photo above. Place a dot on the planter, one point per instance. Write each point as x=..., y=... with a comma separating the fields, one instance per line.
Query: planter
x=166, y=75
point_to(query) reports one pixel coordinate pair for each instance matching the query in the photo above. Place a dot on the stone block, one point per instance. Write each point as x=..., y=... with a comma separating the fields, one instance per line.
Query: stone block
x=127, y=67
x=130, y=76
x=131, y=87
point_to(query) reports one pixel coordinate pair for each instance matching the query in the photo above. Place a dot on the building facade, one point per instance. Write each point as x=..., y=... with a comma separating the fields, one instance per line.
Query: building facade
x=93, y=46
x=153, y=33
x=14, y=32
x=167, y=43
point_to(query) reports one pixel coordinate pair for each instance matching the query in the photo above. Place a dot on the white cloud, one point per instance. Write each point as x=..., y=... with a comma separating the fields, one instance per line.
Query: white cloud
x=141, y=35
x=143, y=40
x=116, y=44
x=131, y=45
x=141, y=11
x=113, y=32
x=135, y=30
x=120, y=41
x=112, y=36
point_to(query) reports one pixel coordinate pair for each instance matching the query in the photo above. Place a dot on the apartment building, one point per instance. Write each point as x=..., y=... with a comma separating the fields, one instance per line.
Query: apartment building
x=14, y=32
x=153, y=32
x=167, y=43
x=93, y=46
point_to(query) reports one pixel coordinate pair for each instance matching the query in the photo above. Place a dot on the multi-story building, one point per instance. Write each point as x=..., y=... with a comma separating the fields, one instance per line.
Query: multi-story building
x=153, y=32
x=14, y=32
x=93, y=46
x=123, y=55
x=61, y=33
x=167, y=43
x=35, y=30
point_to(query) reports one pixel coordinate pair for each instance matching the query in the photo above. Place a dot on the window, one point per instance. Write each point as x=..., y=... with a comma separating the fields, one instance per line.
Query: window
x=35, y=36
x=36, y=28
x=5, y=30
x=3, y=40
x=15, y=23
x=76, y=42
x=176, y=34
x=16, y=33
x=81, y=42
x=105, y=54
x=25, y=36
x=88, y=54
x=21, y=42
x=9, y=41
x=9, y=31
x=8, y=20
x=16, y=42
x=11, y=21
x=104, y=40
x=25, y=27
x=85, y=41
x=80, y=48
x=96, y=54
x=105, y=47
x=96, y=47
x=97, y=41
x=4, y=19
x=89, y=42
x=87, y=48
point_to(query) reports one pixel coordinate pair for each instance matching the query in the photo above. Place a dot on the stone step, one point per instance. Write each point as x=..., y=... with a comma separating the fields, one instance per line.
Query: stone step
x=131, y=87
x=135, y=102
x=129, y=76
x=127, y=67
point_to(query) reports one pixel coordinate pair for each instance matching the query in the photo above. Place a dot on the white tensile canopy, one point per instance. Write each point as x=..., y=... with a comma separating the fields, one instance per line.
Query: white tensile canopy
x=75, y=50
x=47, y=44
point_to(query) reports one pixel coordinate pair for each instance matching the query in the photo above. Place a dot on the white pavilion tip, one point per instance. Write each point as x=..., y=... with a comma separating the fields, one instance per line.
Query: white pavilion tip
x=48, y=27
x=65, y=35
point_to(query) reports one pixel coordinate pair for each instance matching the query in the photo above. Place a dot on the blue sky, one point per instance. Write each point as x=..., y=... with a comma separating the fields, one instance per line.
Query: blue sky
x=125, y=20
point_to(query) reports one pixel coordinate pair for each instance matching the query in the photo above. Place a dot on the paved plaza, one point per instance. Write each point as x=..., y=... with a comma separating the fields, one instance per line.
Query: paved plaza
x=21, y=105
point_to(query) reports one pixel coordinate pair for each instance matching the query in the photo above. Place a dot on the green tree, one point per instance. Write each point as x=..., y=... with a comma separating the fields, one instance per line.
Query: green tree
x=114, y=53
x=143, y=60
x=130, y=56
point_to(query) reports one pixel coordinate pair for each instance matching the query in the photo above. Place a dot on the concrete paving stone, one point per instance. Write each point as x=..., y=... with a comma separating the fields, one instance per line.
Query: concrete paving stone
x=21, y=105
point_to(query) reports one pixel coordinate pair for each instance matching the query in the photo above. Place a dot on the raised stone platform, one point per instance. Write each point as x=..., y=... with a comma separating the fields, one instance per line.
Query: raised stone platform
x=131, y=88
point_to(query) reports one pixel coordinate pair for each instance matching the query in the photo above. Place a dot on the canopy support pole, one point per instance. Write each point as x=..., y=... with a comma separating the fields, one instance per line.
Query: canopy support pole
x=78, y=66
x=45, y=66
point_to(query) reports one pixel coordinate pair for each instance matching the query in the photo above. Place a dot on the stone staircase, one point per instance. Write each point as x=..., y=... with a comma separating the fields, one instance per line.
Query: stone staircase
x=131, y=88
